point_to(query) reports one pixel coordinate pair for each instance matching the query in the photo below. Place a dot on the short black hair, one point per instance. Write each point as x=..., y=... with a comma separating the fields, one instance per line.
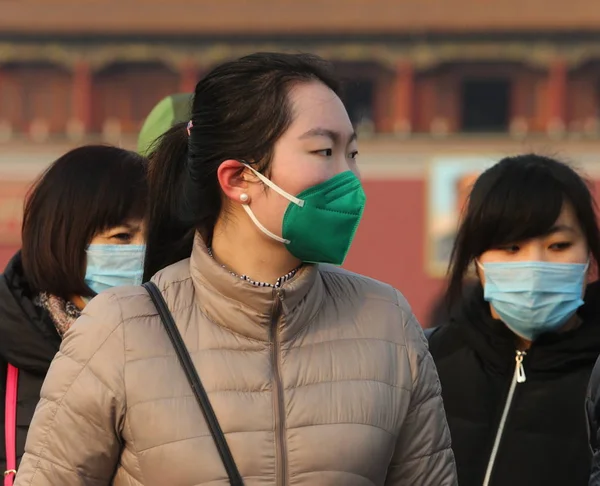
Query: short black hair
x=84, y=192
x=240, y=109
x=517, y=199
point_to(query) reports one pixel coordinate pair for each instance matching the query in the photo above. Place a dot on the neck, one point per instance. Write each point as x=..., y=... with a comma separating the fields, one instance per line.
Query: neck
x=78, y=301
x=522, y=343
x=246, y=251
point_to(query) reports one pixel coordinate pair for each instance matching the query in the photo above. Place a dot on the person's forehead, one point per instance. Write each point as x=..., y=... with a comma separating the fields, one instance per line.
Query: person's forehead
x=567, y=214
x=314, y=105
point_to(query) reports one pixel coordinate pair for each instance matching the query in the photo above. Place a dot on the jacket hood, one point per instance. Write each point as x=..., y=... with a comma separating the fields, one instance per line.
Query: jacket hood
x=28, y=338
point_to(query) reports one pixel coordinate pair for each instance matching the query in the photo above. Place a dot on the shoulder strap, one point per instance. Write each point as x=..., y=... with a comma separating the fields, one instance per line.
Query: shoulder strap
x=10, y=424
x=192, y=375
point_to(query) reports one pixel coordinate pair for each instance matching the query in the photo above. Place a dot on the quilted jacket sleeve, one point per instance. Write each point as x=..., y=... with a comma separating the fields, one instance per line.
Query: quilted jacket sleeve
x=593, y=415
x=423, y=454
x=74, y=437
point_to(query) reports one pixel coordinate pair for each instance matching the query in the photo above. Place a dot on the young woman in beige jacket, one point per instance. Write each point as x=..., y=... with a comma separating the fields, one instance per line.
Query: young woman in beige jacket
x=317, y=376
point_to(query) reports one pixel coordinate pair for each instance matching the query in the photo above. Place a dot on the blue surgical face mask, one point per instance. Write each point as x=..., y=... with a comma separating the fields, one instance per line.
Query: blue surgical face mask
x=533, y=298
x=114, y=266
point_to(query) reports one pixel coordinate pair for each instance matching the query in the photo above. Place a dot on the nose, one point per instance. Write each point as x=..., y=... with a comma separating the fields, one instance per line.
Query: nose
x=344, y=164
x=138, y=239
x=534, y=251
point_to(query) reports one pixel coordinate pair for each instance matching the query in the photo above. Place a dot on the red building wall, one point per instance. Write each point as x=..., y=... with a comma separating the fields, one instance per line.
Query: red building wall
x=390, y=244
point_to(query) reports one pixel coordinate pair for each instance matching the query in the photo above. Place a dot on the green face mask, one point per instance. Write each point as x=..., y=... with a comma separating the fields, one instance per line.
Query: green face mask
x=320, y=222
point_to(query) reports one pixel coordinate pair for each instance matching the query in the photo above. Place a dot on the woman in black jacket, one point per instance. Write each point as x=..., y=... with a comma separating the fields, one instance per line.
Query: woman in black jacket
x=82, y=233
x=515, y=358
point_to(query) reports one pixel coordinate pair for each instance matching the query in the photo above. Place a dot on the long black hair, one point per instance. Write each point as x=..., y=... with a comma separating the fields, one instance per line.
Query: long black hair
x=517, y=199
x=240, y=109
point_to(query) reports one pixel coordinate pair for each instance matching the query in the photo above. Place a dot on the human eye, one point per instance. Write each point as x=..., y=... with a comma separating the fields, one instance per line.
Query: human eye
x=324, y=152
x=511, y=249
x=122, y=238
x=353, y=155
x=561, y=245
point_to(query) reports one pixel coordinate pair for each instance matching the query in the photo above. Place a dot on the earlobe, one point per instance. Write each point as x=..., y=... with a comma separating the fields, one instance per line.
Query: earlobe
x=231, y=180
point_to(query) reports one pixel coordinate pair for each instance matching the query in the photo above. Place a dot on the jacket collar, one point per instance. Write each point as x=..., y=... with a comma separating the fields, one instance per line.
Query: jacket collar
x=28, y=338
x=250, y=310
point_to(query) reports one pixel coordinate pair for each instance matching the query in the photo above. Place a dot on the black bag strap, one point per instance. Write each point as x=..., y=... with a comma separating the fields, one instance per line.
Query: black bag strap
x=192, y=375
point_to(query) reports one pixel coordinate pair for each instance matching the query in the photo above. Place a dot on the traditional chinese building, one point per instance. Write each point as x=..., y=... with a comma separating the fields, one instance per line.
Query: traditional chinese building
x=424, y=78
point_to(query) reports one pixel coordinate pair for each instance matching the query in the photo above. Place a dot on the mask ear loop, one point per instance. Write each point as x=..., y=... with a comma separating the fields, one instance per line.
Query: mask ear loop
x=261, y=227
x=275, y=187
x=281, y=192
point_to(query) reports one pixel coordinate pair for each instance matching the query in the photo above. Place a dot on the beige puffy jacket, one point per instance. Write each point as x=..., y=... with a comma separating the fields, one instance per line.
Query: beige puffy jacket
x=329, y=383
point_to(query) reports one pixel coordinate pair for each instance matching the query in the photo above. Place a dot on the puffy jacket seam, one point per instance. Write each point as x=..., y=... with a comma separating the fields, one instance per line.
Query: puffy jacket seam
x=395, y=436
x=445, y=450
x=191, y=395
x=349, y=473
x=59, y=402
x=398, y=387
x=174, y=441
x=95, y=425
x=175, y=282
x=228, y=300
x=154, y=313
x=307, y=345
x=60, y=466
x=229, y=330
x=357, y=277
x=164, y=356
x=122, y=466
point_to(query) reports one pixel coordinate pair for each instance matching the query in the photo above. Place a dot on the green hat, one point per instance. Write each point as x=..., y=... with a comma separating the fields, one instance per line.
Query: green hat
x=169, y=111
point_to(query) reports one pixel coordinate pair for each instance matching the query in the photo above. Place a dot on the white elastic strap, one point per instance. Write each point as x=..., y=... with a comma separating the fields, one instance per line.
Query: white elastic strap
x=262, y=228
x=276, y=188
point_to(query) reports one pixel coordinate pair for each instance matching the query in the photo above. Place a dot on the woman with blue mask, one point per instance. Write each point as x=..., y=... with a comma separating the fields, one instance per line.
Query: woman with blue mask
x=82, y=233
x=311, y=374
x=515, y=358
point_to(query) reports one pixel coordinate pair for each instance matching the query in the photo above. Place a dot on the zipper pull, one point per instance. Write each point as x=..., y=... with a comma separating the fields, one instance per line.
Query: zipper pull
x=521, y=378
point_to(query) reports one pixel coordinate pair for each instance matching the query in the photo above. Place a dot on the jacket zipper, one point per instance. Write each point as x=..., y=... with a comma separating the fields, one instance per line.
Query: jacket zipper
x=518, y=377
x=279, y=407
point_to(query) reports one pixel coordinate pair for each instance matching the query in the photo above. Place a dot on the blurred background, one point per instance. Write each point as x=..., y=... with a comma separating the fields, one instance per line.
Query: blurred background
x=439, y=90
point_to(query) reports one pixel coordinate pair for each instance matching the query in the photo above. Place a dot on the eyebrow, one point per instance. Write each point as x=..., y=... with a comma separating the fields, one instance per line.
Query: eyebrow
x=331, y=134
x=557, y=228
x=128, y=226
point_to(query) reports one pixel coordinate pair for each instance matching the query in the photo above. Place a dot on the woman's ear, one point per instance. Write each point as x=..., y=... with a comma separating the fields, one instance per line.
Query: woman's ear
x=592, y=270
x=230, y=175
x=478, y=271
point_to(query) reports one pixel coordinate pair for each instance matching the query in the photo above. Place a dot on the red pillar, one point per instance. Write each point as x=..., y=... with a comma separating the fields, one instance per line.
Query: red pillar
x=557, y=96
x=81, y=108
x=403, y=98
x=381, y=103
x=188, y=77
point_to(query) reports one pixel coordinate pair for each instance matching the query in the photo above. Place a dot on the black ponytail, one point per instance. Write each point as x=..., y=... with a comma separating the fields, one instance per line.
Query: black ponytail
x=169, y=236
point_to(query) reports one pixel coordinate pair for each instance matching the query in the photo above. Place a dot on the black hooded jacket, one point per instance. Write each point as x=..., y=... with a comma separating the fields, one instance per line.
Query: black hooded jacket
x=29, y=341
x=544, y=441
